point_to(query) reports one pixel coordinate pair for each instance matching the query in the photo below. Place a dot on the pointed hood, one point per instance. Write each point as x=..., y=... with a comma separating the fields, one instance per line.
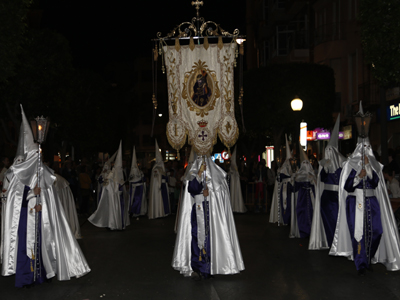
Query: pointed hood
x=135, y=173
x=360, y=109
x=117, y=173
x=29, y=143
x=214, y=174
x=334, y=140
x=333, y=159
x=303, y=155
x=20, y=155
x=107, y=165
x=355, y=158
x=286, y=167
x=306, y=171
x=159, y=161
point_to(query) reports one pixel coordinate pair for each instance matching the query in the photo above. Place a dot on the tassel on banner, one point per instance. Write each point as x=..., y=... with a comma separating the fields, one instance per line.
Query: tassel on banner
x=204, y=251
x=220, y=43
x=179, y=156
x=155, y=52
x=177, y=45
x=200, y=257
x=191, y=44
x=206, y=44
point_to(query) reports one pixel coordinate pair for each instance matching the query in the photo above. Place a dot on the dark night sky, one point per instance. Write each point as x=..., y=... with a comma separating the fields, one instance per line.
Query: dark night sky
x=101, y=32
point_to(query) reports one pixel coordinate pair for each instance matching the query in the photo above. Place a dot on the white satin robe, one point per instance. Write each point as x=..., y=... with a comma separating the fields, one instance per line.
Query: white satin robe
x=67, y=200
x=61, y=254
x=226, y=256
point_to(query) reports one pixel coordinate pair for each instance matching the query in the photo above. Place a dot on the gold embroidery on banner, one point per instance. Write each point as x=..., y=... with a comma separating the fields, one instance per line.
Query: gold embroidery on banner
x=200, y=89
x=227, y=83
x=179, y=142
x=176, y=130
x=173, y=89
x=228, y=127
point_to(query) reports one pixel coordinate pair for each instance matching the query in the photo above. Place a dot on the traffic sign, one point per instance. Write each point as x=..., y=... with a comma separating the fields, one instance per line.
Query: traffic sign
x=225, y=155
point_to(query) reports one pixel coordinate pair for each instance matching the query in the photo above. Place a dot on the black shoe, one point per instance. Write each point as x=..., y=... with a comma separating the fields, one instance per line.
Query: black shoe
x=196, y=276
x=361, y=272
x=370, y=268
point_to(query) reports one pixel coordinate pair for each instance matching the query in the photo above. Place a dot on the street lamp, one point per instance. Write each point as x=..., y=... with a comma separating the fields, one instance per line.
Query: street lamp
x=296, y=104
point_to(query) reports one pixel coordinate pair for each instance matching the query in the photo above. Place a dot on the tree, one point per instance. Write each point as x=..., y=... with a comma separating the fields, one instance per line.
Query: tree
x=380, y=37
x=268, y=93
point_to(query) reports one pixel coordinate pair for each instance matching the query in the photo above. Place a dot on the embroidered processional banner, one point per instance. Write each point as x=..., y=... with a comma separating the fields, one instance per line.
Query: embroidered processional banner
x=201, y=92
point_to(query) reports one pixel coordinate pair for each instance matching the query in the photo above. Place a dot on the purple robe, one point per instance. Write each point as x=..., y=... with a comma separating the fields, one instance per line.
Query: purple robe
x=24, y=274
x=286, y=213
x=164, y=194
x=368, y=245
x=330, y=203
x=304, y=207
x=136, y=198
x=202, y=267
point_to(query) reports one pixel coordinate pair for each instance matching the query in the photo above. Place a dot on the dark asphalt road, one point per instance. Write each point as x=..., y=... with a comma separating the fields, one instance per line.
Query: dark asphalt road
x=136, y=264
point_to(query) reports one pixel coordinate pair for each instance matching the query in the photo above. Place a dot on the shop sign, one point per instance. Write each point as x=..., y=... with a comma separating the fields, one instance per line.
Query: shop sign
x=394, y=112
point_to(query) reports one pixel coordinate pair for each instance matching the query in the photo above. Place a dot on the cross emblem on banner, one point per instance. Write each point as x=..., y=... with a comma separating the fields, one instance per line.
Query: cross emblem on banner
x=202, y=135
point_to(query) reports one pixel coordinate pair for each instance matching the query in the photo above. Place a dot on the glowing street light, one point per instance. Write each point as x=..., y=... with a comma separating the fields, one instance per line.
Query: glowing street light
x=296, y=104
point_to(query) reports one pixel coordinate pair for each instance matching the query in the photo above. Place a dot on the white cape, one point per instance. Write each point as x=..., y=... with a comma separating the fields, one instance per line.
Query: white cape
x=226, y=257
x=235, y=187
x=156, y=203
x=67, y=200
x=108, y=213
x=317, y=236
x=388, y=252
x=61, y=254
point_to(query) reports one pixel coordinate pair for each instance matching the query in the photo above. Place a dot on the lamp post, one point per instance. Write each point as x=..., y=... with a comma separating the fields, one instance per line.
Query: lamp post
x=297, y=105
x=40, y=127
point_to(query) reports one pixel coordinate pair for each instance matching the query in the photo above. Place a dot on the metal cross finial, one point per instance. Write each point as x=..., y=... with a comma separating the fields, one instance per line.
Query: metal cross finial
x=197, y=4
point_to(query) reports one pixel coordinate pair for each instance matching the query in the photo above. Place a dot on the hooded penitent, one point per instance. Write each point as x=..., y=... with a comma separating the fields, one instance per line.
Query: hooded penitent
x=222, y=246
x=281, y=199
x=235, y=188
x=303, y=199
x=112, y=210
x=60, y=254
x=326, y=200
x=137, y=189
x=103, y=178
x=379, y=241
x=159, y=205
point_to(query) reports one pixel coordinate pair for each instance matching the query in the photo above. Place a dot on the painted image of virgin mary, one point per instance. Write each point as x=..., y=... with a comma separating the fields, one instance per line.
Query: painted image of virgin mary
x=201, y=91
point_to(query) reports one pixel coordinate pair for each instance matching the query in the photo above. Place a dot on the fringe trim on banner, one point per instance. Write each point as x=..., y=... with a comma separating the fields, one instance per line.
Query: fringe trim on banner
x=155, y=53
x=206, y=45
x=191, y=44
x=177, y=45
x=220, y=43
